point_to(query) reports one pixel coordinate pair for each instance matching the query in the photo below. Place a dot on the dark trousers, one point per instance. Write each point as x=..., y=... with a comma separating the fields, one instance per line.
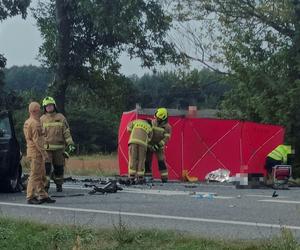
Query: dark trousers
x=270, y=163
x=160, y=155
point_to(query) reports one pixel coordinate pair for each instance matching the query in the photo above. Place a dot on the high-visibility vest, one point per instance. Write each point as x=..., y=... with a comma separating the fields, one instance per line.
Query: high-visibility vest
x=280, y=153
x=140, y=132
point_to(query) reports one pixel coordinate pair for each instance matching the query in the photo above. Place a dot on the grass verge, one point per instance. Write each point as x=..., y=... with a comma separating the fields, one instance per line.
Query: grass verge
x=28, y=235
x=86, y=165
x=91, y=172
x=112, y=156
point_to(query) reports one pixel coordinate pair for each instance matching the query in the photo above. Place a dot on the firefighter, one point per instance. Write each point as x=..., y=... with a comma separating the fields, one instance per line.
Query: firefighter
x=140, y=135
x=36, y=154
x=161, y=135
x=58, y=139
x=281, y=155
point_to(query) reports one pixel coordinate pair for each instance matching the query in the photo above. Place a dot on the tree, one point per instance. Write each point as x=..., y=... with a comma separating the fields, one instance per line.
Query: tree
x=180, y=89
x=258, y=44
x=83, y=36
x=9, y=8
x=94, y=112
x=20, y=78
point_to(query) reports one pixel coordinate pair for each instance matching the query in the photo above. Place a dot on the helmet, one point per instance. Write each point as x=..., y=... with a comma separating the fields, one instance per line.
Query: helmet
x=161, y=113
x=48, y=100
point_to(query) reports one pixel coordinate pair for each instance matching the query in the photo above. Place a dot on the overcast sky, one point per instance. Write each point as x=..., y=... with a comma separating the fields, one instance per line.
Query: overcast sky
x=20, y=40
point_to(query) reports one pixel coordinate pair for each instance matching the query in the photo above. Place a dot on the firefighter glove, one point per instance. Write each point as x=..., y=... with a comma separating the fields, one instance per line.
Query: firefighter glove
x=71, y=148
x=66, y=155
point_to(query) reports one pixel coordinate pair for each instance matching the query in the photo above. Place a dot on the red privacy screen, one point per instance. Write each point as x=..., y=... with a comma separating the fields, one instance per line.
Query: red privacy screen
x=201, y=145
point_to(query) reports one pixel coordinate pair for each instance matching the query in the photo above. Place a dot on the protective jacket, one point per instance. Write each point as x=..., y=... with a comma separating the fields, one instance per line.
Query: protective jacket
x=161, y=134
x=33, y=136
x=281, y=153
x=56, y=131
x=140, y=132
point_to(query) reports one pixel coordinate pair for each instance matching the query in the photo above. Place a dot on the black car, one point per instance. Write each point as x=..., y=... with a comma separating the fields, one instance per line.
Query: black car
x=10, y=156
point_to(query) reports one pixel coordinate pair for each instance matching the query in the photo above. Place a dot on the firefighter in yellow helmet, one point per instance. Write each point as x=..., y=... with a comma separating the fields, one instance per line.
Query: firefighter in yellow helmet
x=140, y=134
x=161, y=135
x=36, y=154
x=58, y=139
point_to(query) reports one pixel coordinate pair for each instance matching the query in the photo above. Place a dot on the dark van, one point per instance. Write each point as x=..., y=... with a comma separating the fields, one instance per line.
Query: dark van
x=10, y=156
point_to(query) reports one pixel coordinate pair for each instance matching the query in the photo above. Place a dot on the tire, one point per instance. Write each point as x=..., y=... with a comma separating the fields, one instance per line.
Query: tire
x=15, y=184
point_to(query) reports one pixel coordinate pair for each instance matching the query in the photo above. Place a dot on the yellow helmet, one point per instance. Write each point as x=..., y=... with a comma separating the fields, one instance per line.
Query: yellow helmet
x=48, y=100
x=161, y=113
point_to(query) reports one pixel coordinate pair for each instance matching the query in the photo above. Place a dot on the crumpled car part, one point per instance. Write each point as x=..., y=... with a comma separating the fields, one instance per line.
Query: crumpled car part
x=219, y=175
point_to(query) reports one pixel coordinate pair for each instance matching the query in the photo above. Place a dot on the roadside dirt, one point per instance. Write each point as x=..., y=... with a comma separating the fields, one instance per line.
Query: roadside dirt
x=95, y=166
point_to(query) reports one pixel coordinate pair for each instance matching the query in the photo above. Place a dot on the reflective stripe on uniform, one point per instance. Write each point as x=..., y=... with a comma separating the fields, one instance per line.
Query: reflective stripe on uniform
x=137, y=141
x=280, y=153
x=131, y=171
x=69, y=140
x=53, y=124
x=140, y=173
x=168, y=135
x=143, y=125
x=164, y=173
x=53, y=146
x=276, y=155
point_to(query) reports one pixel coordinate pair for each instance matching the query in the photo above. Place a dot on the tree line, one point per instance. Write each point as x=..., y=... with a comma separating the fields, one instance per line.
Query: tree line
x=94, y=114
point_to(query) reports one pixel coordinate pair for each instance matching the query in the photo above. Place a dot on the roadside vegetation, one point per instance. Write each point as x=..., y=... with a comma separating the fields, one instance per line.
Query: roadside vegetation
x=86, y=165
x=30, y=235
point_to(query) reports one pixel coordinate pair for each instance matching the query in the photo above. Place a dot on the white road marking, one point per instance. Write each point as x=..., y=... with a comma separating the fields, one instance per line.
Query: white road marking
x=265, y=196
x=153, y=216
x=281, y=201
x=157, y=192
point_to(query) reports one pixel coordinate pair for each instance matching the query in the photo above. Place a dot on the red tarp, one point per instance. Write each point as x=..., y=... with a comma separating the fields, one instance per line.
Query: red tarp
x=201, y=145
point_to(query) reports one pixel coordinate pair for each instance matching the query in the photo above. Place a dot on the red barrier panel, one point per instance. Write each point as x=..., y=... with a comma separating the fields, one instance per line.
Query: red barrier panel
x=201, y=145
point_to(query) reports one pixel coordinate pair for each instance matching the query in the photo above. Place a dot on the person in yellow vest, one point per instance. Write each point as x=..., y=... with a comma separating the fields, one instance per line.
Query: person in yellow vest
x=140, y=135
x=279, y=156
x=161, y=135
x=58, y=139
x=36, y=155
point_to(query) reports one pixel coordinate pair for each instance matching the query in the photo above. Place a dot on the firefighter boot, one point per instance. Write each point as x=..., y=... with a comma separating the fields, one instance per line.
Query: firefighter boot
x=164, y=179
x=34, y=201
x=140, y=180
x=47, y=200
x=132, y=179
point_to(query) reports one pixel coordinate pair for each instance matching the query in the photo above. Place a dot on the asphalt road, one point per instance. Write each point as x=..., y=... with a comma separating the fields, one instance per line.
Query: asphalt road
x=213, y=210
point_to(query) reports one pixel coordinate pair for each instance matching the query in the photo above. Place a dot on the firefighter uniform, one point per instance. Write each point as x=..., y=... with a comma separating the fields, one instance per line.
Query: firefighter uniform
x=57, y=137
x=36, y=155
x=140, y=134
x=161, y=135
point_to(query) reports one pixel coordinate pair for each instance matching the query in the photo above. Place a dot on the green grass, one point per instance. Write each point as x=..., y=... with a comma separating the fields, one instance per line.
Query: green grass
x=91, y=172
x=28, y=235
x=83, y=169
x=112, y=156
